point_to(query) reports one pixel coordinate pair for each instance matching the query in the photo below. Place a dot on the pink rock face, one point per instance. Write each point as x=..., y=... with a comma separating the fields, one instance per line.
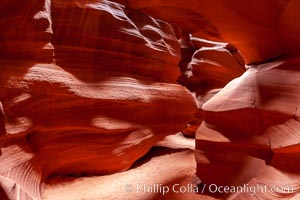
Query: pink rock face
x=205, y=67
x=88, y=87
x=107, y=95
x=243, y=137
x=239, y=140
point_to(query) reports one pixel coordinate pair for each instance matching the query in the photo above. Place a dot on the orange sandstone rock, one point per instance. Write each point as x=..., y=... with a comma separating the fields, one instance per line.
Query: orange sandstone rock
x=251, y=125
x=107, y=94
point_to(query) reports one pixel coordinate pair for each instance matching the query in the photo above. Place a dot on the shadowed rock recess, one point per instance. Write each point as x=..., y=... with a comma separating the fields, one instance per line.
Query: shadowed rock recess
x=88, y=87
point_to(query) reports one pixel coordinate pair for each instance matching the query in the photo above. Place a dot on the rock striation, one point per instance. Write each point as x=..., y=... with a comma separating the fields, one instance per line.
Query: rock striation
x=249, y=127
x=87, y=88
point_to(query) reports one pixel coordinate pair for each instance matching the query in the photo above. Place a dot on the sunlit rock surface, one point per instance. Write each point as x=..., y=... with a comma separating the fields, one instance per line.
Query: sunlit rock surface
x=250, y=132
x=88, y=87
x=253, y=134
x=205, y=68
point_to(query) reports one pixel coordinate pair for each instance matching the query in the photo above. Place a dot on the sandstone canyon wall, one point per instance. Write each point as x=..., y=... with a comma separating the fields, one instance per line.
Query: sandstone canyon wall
x=88, y=87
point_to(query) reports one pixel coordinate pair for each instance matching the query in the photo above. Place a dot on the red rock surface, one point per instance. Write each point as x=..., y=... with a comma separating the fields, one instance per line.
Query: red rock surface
x=254, y=134
x=88, y=87
x=249, y=130
x=260, y=30
x=105, y=97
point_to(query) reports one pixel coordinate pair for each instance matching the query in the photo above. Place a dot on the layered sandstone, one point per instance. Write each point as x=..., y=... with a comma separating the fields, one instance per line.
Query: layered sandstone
x=266, y=133
x=87, y=88
x=250, y=127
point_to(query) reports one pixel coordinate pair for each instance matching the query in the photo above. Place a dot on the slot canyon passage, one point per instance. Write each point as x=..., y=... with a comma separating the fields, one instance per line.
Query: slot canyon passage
x=139, y=99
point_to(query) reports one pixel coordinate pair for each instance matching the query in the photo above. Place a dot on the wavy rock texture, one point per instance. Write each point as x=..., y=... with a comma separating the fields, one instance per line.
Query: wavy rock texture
x=250, y=128
x=260, y=30
x=265, y=139
x=206, y=66
x=88, y=87
x=103, y=93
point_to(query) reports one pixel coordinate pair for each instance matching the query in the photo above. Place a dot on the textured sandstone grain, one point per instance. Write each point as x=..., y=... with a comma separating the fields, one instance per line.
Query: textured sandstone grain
x=103, y=98
x=88, y=87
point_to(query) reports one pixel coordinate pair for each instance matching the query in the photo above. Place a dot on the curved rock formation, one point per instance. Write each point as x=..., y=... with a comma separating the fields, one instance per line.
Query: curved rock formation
x=266, y=133
x=206, y=66
x=250, y=124
x=103, y=99
x=88, y=87
x=259, y=30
